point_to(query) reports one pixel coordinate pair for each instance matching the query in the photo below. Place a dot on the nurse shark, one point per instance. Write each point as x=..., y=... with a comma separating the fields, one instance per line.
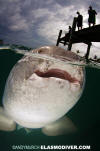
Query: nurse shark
x=41, y=88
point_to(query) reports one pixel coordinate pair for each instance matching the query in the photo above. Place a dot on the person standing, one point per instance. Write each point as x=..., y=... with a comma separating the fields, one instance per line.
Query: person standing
x=79, y=21
x=92, y=16
x=70, y=28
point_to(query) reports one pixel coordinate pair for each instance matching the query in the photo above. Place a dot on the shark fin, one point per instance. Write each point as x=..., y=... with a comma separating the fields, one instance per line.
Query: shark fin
x=62, y=126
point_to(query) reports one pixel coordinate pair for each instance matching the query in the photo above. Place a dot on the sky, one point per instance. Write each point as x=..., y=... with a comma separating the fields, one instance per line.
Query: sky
x=35, y=23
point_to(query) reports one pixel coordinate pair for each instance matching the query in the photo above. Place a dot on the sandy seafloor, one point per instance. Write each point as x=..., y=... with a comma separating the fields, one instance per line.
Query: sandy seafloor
x=85, y=114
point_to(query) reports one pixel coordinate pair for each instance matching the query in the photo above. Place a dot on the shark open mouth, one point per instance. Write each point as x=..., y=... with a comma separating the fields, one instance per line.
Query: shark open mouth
x=57, y=73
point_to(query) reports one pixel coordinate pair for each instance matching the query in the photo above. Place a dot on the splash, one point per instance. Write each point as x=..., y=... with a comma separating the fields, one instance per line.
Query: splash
x=82, y=62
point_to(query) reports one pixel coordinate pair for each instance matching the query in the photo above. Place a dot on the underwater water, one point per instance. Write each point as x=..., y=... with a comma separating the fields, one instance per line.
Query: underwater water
x=85, y=114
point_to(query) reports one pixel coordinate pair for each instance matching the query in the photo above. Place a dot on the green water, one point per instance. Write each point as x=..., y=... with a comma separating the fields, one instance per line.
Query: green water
x=85, y=114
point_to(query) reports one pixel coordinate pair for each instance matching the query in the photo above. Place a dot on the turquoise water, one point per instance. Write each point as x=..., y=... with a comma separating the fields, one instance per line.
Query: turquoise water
x=85, y=114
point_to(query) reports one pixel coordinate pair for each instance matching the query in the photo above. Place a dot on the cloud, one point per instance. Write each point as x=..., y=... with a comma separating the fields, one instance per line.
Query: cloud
x=37, y=23
x=59, y=17
x=18, y=23
x=40, y=12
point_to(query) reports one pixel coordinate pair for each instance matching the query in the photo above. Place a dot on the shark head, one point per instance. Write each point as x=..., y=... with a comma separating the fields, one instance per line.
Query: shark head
x=43, y=86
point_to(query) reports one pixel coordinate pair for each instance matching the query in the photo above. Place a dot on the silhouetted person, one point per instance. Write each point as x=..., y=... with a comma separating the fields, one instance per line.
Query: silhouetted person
x=92, y=16
x=79, y=21
x=95, y=57
x=70, y=28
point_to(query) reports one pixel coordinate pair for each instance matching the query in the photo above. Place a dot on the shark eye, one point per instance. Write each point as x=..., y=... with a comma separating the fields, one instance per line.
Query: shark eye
x=41, y=51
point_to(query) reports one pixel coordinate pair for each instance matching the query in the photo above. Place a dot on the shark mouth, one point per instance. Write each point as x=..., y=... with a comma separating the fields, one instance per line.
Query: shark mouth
x=57, y=73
